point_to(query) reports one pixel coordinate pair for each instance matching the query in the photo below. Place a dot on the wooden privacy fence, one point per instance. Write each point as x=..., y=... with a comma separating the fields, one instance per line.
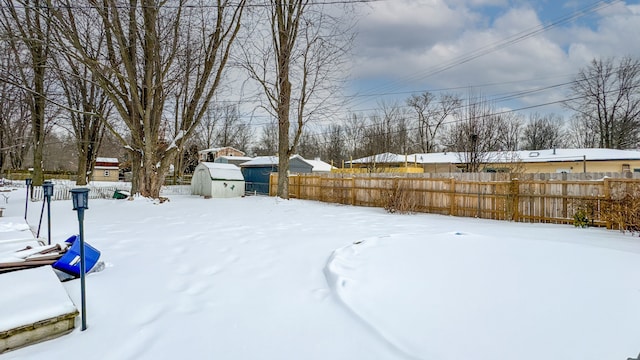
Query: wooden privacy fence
x=554, y=198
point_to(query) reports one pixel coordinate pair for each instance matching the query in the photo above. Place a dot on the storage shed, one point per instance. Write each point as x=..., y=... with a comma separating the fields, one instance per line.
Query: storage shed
x=257, y=172
x=217, y=180
x=105, y=169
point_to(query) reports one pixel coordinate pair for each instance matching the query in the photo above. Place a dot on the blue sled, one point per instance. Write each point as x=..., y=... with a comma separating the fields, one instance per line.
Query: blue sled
x=70, y=261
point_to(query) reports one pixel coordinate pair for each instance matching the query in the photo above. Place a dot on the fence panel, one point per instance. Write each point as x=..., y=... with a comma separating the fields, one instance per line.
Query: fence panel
x=544, y=198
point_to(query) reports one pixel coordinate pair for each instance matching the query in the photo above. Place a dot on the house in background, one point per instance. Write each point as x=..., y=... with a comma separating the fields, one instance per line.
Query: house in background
x=540, y=161
x=525, y=161
x=210, y=155
x=217, y=180
x=235, y=160
x=105, y=169
x=320, y=166
x=257, y=172
x=383, y=163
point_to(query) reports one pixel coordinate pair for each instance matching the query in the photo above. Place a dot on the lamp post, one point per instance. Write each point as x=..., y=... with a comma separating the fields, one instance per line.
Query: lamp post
x=28, y=182
x=47, y=191
x=80, y=198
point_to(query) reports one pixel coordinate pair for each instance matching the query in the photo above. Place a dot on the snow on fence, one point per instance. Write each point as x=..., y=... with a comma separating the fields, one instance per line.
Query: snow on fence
x=548, y=198
x=103, y=191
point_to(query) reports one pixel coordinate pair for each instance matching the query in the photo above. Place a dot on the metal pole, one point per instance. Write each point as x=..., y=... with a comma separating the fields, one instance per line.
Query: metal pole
x=41, y=214
x=26, y=203
x=48, y=220
x=82, y=270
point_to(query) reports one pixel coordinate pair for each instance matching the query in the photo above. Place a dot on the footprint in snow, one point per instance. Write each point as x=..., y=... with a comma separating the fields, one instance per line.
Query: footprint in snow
x=148, y=314
x=211, y=270
x=135, y=346
x=196, y=288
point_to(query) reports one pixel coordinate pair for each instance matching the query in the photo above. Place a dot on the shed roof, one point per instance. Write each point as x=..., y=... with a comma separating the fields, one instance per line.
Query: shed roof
x=219, y=171
x=107, y=160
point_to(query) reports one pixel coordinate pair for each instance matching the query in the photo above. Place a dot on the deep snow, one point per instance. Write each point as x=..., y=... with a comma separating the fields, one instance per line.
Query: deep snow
x=265, y=278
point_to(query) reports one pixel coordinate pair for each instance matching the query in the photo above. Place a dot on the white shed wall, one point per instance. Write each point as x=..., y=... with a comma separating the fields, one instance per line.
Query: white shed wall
x=217, y=180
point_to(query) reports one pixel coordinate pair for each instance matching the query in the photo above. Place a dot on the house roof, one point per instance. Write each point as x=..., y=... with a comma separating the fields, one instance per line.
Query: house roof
x=107, y=160
x=271, y=160
x=535, y=156
x=261, y=161
x=219, y=171
x=235, y=158
x=384, y=158
x=319, y=165
x=530, y=156
x=216, y=149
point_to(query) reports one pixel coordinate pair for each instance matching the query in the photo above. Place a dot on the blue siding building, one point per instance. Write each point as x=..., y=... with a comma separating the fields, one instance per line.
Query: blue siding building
x=257, y=172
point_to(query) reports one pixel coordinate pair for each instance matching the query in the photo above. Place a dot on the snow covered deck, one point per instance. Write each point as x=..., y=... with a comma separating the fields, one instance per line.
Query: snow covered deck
x=34, y=306
x=14, y=229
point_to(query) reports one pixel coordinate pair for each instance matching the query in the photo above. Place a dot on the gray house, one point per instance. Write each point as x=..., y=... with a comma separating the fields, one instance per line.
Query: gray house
x=258, y=171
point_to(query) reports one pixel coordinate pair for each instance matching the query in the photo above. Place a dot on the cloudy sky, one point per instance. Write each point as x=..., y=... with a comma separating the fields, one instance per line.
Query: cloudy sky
x=498, y=48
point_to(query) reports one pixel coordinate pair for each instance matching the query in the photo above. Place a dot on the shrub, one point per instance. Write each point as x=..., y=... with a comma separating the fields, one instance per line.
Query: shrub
x=623, y=213
x=580, y=218
x=399, y=199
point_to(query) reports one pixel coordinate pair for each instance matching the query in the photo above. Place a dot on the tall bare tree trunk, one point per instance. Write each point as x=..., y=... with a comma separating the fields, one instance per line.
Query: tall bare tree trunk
x=27, y=26
x=144, y=51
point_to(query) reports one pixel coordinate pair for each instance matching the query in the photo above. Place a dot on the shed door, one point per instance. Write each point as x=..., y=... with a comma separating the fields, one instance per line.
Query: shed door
x=204, y=182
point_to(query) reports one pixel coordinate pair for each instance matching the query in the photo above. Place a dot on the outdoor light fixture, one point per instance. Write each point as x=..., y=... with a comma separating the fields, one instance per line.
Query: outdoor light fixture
x=28, y=182
x=80, y=198
x=47, y=187
x=47, y=191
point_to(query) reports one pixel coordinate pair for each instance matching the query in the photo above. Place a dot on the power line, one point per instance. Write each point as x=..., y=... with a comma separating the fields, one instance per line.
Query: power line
x=498, y=45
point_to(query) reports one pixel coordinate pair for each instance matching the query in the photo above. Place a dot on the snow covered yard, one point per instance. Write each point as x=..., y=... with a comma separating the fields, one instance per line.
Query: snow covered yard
x=262, y=278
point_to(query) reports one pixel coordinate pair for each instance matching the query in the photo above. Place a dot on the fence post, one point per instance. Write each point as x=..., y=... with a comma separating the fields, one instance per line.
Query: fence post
x=353, y=190
x=607, y=200
x=515, y=199
x=565, y=192
x=452, y=192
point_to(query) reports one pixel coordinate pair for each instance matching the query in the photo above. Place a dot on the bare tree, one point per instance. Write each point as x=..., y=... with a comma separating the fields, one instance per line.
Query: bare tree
x=268, y=141
x=333, y=144
x=89, y=106
x=148, y=49
x=476, y=134
x=354, y=132
x=15, y=140
x=387, y=130
x=510, y=131
x=543, y=132
x=579, y=134
x=296, y=63
x=432, y=111
x=222, y=126
x=606, y=98
x=27, y=26
x=309, y=144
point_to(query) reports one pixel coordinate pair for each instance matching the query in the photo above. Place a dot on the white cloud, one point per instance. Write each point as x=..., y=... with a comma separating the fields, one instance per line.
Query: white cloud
x=410, y=42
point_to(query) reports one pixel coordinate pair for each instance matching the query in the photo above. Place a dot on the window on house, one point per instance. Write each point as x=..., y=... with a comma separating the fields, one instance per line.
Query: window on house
x=636, y=170
x=106, y=173
x=626, y=168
